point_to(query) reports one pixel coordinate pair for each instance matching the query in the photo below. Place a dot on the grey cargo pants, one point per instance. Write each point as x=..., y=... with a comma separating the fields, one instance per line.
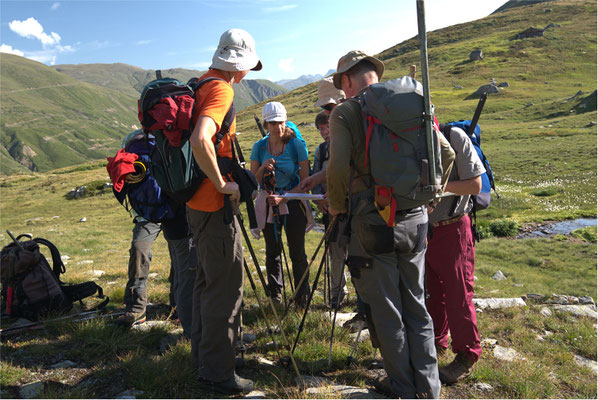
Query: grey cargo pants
x=217, y=294
x=140, y=257
x=387, y=266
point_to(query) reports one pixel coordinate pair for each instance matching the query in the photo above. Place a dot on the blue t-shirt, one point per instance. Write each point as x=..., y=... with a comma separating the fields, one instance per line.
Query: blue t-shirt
x=287, y=164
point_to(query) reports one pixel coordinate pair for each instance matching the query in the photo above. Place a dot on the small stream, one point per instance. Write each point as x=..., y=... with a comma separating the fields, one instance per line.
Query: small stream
x=562, y=227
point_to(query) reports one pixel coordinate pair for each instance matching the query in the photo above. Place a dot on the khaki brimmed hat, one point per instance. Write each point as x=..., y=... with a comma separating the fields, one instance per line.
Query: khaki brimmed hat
x=274, y=112
x=327, y=93
x=236, y=52
x=351, y=59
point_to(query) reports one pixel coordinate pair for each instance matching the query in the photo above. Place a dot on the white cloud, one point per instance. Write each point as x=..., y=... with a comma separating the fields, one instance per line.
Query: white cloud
x=143, y=42
x=285, y=64
x=31, y=28
x=279, y=8
x=4, y=48
x=54, y=6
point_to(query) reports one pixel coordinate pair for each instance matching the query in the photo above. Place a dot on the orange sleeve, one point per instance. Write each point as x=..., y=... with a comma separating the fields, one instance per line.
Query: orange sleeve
x=214, y=100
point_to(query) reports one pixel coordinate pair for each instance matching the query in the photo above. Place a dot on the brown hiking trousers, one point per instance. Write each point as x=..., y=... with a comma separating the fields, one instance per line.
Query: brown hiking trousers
x=217, y=294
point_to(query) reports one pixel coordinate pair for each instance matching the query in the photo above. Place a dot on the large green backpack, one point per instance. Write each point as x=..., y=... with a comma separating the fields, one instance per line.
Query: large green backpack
x=165, y=110
x=396, y=145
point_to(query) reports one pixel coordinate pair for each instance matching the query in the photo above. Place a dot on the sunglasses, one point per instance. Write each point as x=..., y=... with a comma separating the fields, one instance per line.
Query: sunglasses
x=328, y=107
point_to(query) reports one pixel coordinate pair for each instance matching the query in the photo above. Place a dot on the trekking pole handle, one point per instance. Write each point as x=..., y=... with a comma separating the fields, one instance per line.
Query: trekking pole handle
x=15, y=240
x=477, y=113
x=259, y=125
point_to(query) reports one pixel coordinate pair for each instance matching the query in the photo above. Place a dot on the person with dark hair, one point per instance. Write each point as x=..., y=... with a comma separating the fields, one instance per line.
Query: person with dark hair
x=386, y=260
x=279, y=163
x=218, y=291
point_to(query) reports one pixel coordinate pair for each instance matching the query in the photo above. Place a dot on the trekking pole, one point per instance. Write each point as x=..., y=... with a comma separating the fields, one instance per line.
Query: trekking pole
x=311, y=295
x=267, y=293
x=304, y=276
x=423, y=47
x=259, y=125
x=351, y=356
x=261, y=307
x=284, y=256
x=338, y=296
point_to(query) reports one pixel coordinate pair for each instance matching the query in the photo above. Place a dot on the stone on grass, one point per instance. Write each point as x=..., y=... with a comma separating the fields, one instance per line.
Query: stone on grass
x=483, y=387
x=586, y=300
x=578, y=310
x=496, y=303
x=152, y=275
x=341, y=392
x=545, y=311
x=31, y=390
x=83, y=219
x=507, y=354
x=148, y=325
x=584, y=362
x=63, y=364
x=255, y=394
x=341, y=318
x=563, y=299
x=489, y=342
x=499, y=276
x=534, y=297
x=265, y=361
x=490, y=89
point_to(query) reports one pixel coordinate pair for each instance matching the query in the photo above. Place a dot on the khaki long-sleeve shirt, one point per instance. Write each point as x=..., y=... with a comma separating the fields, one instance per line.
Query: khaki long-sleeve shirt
x=347, y=146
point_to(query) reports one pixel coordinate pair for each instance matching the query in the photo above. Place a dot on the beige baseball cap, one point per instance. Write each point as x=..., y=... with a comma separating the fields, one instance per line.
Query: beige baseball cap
x=328, y=94
x=236, y=52
x=351, y=59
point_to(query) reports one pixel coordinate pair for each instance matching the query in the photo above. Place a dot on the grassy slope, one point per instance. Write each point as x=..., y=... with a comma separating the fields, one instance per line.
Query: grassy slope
x=132, y=80
x=63, y=120
x=524, y=123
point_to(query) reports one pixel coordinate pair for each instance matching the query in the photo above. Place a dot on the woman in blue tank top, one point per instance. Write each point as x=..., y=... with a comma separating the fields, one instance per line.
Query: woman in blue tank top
x=279, y=162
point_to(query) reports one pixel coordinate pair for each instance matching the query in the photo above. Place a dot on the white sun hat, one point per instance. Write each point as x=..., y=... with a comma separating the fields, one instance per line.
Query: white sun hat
x=274, y=112
x=236, y=52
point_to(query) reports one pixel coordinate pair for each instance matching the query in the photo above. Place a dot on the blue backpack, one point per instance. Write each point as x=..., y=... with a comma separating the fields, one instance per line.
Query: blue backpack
x=482, y=200
x=141, y=191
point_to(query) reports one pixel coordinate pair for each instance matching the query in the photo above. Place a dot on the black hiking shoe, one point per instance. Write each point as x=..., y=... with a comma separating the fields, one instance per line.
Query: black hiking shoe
x=131, y=318
x=356, y=323
x=382, y=385
x=234, y=385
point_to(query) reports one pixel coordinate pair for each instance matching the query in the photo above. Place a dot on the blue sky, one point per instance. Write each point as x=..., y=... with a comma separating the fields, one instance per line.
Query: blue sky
x=293, y=37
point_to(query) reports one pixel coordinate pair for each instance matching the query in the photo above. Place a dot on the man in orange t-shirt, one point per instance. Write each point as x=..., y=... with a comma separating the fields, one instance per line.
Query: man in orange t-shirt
x=218, y=291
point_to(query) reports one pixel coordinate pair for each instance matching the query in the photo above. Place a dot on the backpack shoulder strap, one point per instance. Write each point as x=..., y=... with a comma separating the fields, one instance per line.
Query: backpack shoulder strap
x=57, y=264
x=195, y=84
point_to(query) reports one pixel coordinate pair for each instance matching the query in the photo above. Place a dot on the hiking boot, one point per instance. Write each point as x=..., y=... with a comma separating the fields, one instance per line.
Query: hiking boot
x=234, y=385
x=461, y=367
x=382, y=385
x=356, y=323
x=130, y=318
x=276, y=298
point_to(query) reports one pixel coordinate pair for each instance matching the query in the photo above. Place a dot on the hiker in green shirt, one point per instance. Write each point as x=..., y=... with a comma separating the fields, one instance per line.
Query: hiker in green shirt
x=386, y=263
